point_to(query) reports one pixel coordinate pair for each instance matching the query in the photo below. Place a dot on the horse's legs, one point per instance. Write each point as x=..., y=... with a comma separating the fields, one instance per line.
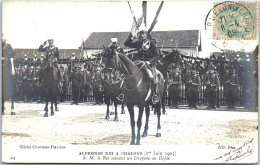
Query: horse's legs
x=122, y=108
x=46, y=108
x=147, y=113
x=52, y=112
x=116, y=116
x=107, y=115
x=12, y=106
x=163, y=102
x=158, y=109
x=56, y=107
x=132, y=122
x=139, y=124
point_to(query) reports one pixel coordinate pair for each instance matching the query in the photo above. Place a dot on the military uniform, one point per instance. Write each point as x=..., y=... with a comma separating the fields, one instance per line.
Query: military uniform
x=147, y=51
x=174, y=81
x=212, y=83
x=97, y=83
x=113, y=46
x=50, y=50
x=193, y=89
x=65, y=85
x=27, y=79
x=75, y=78
x=231, y=88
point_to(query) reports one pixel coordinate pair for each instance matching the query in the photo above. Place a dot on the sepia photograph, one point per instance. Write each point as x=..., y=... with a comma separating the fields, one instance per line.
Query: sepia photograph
x=118, y=81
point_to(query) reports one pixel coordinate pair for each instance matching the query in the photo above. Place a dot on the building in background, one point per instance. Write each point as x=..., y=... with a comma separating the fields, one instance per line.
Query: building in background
x=186, y=41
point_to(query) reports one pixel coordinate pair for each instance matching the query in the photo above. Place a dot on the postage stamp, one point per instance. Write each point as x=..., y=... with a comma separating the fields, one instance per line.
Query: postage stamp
x=235, y=20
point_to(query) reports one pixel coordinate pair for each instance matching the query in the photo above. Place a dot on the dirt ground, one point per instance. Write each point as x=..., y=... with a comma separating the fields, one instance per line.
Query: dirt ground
x=85, y=124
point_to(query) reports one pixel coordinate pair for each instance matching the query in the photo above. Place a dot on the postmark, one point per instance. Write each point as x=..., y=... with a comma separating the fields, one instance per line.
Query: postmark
x=235, y=20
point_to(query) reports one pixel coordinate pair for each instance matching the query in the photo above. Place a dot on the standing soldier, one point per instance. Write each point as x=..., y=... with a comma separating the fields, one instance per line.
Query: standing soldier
x=82, y=84
x=50, y=50
x=75, y=78
x=72, y=62
x=27, y=84
x=35, y=59
x=88, y=83
x=231, y=88
x=97, y=82
x=174, y=80
x=42, y=60
x=26, y=60
x=193, y=88
x=148, y=52
x=212, y=83
x=66, y=83
x=62, y=82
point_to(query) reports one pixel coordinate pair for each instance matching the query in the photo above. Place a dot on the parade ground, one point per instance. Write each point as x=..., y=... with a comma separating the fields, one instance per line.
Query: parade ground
x=85, y=124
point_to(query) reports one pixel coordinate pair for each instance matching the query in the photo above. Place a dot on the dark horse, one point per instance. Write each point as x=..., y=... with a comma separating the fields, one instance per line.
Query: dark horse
x=50, y=84
x=111, y=81
x=137, y=91
x=163, y=65
x=9, y=90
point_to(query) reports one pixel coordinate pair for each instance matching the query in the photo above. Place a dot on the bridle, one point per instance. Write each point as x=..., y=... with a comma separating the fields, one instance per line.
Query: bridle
x=126, y=77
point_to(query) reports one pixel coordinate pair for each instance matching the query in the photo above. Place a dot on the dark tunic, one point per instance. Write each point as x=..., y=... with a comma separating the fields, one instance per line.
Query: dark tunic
x=147, y=49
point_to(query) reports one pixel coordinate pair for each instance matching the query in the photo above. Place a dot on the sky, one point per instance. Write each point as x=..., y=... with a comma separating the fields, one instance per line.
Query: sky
x=28, y=23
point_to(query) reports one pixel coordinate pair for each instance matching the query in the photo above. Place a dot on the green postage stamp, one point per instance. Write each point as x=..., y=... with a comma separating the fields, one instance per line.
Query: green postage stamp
x=235, y=20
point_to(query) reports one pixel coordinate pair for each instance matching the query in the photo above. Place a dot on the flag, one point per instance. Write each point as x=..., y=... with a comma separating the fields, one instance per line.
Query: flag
x=135, y=29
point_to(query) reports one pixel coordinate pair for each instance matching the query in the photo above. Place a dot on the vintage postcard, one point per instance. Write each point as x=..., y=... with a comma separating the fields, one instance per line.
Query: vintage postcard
x=129, y=81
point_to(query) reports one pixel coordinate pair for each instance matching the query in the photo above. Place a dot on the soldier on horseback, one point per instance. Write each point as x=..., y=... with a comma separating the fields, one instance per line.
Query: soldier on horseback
x=50, y=50
x=148, y=55
x=113, y=46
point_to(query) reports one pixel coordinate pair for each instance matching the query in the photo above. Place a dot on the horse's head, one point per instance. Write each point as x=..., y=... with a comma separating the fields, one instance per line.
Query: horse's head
x=50, y=59
x=173, y=57
x=106, y=53
x=111, y=62
x=109, y=58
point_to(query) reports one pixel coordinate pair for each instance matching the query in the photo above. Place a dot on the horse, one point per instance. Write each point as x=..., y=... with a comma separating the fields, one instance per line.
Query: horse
x=137, y=91
x=50, y=84
x=164, y=62
x=9, y=87
x=111, y=81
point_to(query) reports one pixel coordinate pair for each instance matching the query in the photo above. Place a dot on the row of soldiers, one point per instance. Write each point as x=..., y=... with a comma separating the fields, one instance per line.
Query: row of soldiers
x=206, y=80
x=30, y=91
x=189, y=75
